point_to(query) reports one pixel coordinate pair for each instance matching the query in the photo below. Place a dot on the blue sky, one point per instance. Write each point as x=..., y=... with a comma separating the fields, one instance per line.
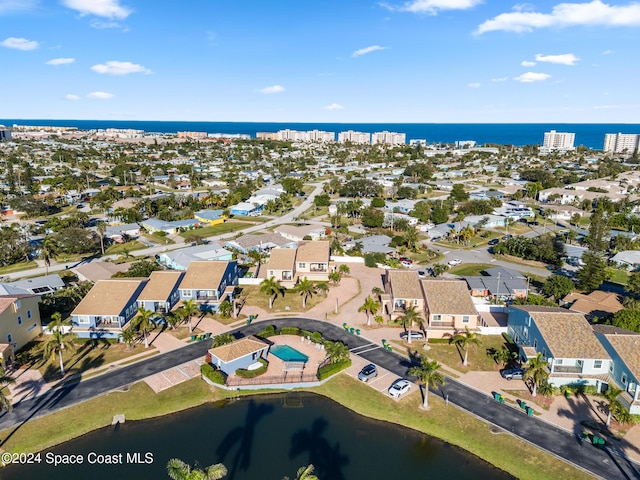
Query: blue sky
x=333, y=61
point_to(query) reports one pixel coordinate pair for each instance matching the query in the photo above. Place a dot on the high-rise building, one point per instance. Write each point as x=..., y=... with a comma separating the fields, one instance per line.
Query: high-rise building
x=354, y=137
x=558, y=141
x=388, y=138
x=621, y=142
x=5, y=134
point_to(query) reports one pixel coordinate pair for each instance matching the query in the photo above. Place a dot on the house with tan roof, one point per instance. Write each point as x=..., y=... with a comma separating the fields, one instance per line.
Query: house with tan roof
x=161, y=293
x=19, y=324
x=298, y=233
x=107, y=309
x=598, y=303
x=282, y=266
x=402, y=291
x=312, y=260
x=624, y=348
x=565, y=340
x=238, y=354
x=209, y=283
x=448, y=307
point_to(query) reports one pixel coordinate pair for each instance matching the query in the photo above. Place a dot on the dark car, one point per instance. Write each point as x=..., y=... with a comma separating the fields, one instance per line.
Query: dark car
x=512, y=373
x=367, y=372
x=507, y=236
x=494, y=241
x=414, y=335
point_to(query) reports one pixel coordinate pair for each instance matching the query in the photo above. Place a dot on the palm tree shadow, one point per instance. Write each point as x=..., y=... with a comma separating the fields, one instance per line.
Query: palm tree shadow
x=242, y=438
x=327, y=460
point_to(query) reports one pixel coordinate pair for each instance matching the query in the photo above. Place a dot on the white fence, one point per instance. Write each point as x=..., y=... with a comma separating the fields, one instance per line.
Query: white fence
x=347, y=259
x=250, y=281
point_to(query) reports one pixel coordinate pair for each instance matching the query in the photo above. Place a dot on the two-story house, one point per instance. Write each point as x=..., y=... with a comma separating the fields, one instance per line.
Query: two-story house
x=209, y=283
x=448, y=307
x=161, y=293
x=107, y=309
x=19, y=324
x=282, y=266
x=402, y=291
x=564, y=339
x=312, y=261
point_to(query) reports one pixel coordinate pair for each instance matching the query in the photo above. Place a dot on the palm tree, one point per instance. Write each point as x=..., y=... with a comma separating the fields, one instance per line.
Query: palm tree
x=377, y=291
x=337, y=351
x=408, y=319
x=5, y=403
x=190, y=309
x=225, y=309
x=306, y=288
x=143, y=322
x=370, y=307
x=47, y=252
x=428, y=372
x=614, y=406
x=101, y=229
x=57, y=343
x=537, y=371
x=335, y=277
x=128, y=337
x=178, y=470
x=322, y=288
x=305, y=473
x=344, y=270
x=464, y=341
x=272, y=288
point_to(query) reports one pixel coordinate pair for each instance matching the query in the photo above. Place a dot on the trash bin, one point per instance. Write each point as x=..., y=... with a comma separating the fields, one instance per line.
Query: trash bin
x=351, y=330
x=501, y=399
x=523, y=405
x=357, y=331
x=390, y=348
x=529, y=411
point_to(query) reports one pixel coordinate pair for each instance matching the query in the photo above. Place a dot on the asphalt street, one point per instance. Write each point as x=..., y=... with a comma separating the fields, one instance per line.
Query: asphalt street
x=602, y=463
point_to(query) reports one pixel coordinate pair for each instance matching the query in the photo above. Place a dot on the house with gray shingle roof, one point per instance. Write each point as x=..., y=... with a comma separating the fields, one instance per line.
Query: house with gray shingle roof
x=262, y=242
x=565, y=340
x=498, y=282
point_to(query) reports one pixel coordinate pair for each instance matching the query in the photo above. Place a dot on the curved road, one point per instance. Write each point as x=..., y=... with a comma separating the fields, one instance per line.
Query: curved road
x=600, y=462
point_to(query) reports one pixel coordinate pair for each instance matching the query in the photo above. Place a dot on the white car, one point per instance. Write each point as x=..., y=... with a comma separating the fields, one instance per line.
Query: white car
x=399, y=387
x=454, y=262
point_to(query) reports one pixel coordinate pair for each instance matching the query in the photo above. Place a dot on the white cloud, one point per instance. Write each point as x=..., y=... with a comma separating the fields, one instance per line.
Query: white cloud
x=500, y=79
x=531, y=77
x=364, y=51
x=473, y=85
x=119, y=68
x=334, y=106
x=527, y=63
x=566, y=15
x=100, y=95
x=102, y=25
x=100, y=8
x=60, y=61
x=608, y=52
x=271, y=89
x=431, y=7
x=8, y=6
x=71, y=96
x=19, y=43
x=564, y=59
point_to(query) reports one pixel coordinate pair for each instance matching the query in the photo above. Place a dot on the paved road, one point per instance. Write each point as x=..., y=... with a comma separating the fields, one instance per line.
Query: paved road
x=602, y=463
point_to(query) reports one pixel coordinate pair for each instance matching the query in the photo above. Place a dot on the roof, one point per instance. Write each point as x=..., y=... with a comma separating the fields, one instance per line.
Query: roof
x=628, y=349
x=300, y=231
x=160, y=285
x=204, y=274
x=247, y=241
x=448, y=296
x=597, y=303
x=238, y=349
x=404, y=283
x=539, y=308
x=376, y=243
x=282, y=259
x=568, y=334
x=209, y=214
x=95, y=271
x=40, y=285
x=184, y=256
x=313, y=252
x=631, y=257
x=7, y=300
x=108, y=297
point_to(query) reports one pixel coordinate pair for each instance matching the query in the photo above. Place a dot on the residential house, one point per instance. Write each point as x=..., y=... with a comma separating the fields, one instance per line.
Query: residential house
x=209, y=283
x=154, y=225
x=624, y=348
x=19, y=324
x=107, y=309
x=119, y=233
x=37, y=285
x=210, y=217
x=239, y=354
x=498, y=282
x=246, y=208
x=402, y=291
x=281, y=266
x=182, y=258
x=312, y=261
x=629, y=259
x=448, y=307
x=565, y=340
x=597, y=304
x=95, y=271
x=161, y=293
x=374, y=243
x=302, y=232
x=261, y=243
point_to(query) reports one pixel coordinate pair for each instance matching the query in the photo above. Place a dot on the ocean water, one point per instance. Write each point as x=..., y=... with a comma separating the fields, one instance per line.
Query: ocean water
x=588, y=134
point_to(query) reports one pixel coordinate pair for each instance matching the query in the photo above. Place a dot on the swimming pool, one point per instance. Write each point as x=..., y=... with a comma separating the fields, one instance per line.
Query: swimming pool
x=288, y=354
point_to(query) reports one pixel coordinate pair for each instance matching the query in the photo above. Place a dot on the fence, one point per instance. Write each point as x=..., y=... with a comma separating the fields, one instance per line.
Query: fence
x=271, y=380
x=347, y=259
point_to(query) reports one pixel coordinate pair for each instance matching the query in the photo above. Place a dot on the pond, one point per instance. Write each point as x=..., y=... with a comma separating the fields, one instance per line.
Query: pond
x=264, y=437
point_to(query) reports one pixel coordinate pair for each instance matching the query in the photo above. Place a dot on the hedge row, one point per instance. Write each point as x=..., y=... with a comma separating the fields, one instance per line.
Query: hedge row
x=209, y=371
x=244, y=373
x=270, y=330
x=332, y=368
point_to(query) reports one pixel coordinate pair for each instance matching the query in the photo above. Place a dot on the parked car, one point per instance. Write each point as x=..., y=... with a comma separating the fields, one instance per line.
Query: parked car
x=423, y=273
x=414, y=335
x=406, y=264
x=406, y=259
x=367, y=372
x=494, y=241
x=399, y=387
x=512, y=373
x=454, y=262
x=507, y=236
x=80, y=205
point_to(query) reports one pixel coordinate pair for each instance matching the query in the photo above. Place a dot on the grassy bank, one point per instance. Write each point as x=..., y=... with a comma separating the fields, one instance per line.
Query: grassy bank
x=446, y=422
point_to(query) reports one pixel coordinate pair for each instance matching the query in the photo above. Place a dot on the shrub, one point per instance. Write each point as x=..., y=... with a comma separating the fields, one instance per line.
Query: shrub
x=210, y=372
x=244, y=373
x=268, y=331
x=289, y=331
x=439, y=340
x=332, y=368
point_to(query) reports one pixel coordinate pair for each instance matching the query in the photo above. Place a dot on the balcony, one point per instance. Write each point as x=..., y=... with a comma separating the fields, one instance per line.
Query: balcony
x=207, y=297
x=107, y=323
x=567, y=369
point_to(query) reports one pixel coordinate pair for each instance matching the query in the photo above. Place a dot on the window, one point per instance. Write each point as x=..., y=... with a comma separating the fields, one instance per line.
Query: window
x=302, y=265
x=9, y=338
x=415, y=303
x=544, y=353
x=624, y=379
x=186, y=293
x=83, y=319
x=29, y=314
x=19, y=319
x=558, y=361
x=528, y=321
x=597, y=364
x=437, y=318
x=611, y=367
x=535, y=343
x=465, y=319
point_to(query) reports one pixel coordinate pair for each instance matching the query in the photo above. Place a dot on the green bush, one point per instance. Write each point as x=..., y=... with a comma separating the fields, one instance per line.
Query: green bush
x=289, y=331
x=332, y=368
x=439, y=340
x=216, y=376
x=268, y=331
x=244, y=373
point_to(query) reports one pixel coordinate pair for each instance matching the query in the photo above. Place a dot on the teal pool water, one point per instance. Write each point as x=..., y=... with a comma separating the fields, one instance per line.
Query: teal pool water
x=288, y=354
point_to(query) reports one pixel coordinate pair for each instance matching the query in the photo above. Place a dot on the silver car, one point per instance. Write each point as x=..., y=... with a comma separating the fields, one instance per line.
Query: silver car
x=367, y=372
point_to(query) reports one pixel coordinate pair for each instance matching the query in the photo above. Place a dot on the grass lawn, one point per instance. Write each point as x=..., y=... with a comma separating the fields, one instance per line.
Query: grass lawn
x=246, y=218
x=18, y=267
x=452, y=356
x=118, y=248
x=161, y=239
x=291, y=299
x=182, y=331
x=228, y=320
x=223, y=228
x=618, y=276
x=469, y=269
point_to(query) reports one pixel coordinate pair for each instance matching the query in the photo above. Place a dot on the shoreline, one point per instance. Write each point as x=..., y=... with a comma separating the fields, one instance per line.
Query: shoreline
x=455, y=427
